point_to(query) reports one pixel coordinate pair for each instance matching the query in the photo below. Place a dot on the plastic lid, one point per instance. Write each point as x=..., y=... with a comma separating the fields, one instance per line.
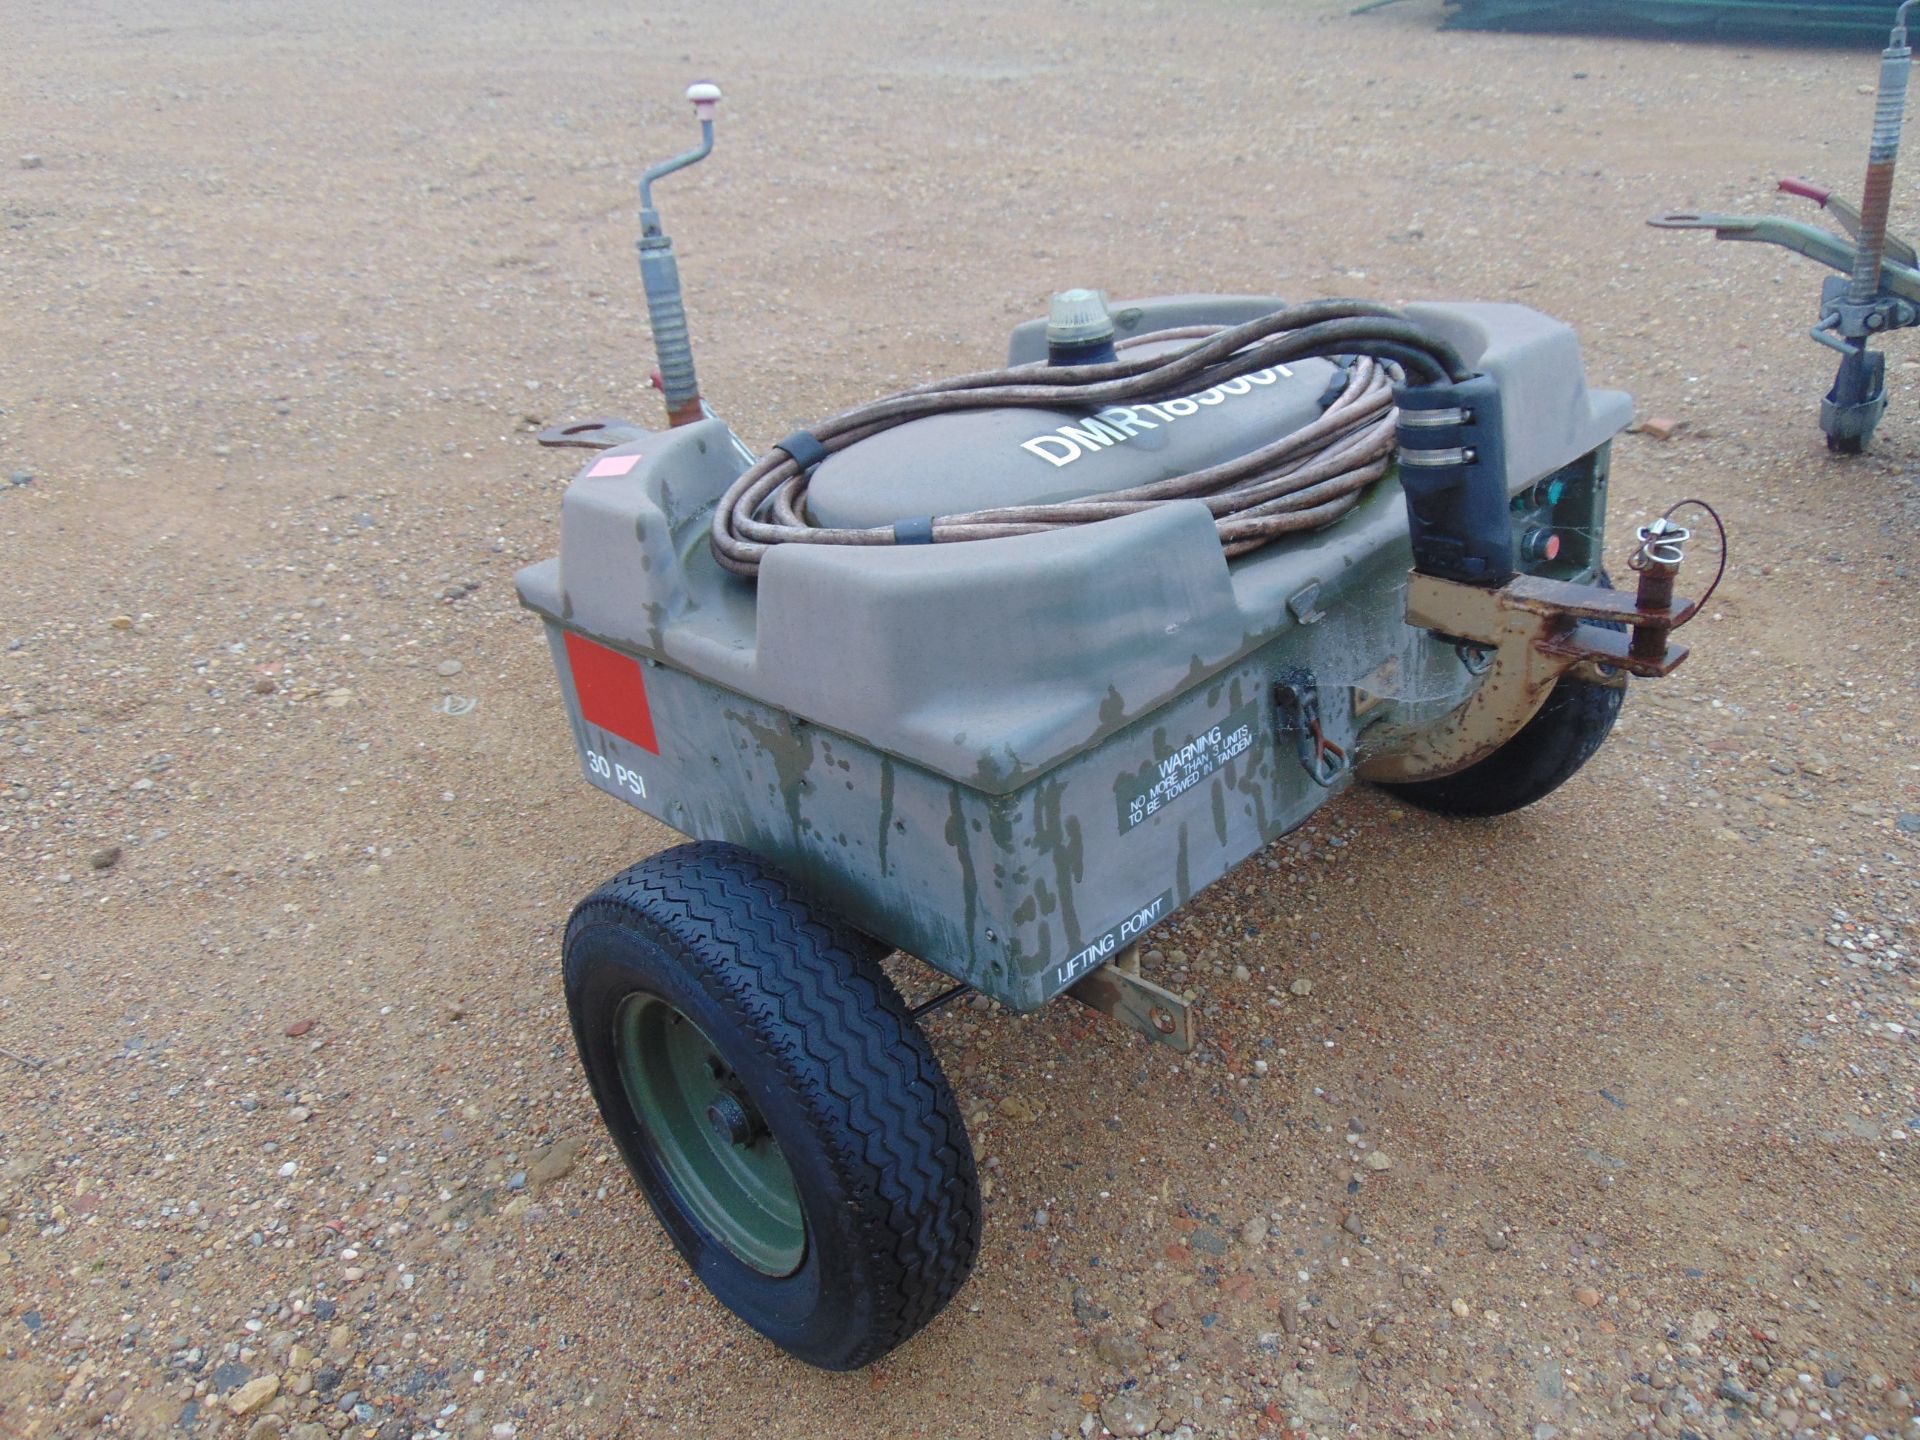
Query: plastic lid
x=1078, y=317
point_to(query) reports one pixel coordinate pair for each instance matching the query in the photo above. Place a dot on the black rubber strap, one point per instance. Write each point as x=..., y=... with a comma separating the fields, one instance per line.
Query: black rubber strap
x=1336, y=382
x=806, y=451
x=913, y=532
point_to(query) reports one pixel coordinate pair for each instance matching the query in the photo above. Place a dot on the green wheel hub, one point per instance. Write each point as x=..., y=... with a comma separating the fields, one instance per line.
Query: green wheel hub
x=708, y=1135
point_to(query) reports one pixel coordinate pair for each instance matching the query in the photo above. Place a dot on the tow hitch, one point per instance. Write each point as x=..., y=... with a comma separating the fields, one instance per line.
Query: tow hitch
x=1536, y=631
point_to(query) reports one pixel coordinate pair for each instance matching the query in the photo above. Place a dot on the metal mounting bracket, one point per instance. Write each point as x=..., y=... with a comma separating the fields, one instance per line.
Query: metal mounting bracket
x=1119, y=992
x=590, y=434
x=1296, y=712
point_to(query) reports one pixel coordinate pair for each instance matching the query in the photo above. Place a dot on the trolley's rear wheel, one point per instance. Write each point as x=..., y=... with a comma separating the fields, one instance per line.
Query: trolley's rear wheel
x=1546, y=752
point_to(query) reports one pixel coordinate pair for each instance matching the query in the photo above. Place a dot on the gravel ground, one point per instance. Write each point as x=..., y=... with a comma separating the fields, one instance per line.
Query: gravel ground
x=1604, y=1125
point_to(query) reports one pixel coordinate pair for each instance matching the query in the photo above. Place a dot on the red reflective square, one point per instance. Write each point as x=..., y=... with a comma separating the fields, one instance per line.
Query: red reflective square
x=612, y=691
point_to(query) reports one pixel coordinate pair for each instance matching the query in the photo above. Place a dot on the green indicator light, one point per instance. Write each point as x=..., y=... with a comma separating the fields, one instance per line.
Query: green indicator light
x=1555, y=489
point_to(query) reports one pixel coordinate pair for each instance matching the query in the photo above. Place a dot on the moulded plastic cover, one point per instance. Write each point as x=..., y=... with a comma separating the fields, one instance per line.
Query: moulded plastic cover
x=980, y=459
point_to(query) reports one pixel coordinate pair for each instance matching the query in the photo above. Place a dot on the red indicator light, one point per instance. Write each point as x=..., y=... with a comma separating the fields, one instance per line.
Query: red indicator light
x=1539, y=545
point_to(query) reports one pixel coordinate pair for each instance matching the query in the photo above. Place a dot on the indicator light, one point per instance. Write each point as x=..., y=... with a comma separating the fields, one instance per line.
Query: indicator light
x=1540, y=545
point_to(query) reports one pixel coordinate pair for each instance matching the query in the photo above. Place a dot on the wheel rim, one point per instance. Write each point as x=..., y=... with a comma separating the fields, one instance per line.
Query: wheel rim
x=709, y=1137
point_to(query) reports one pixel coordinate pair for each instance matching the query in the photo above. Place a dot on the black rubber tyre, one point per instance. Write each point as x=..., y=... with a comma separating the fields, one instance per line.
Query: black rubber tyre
x=1549, y=749
x=1540, y=759
x=845, y=1085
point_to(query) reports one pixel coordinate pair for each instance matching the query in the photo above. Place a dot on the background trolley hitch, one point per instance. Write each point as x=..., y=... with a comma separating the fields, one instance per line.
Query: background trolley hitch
x=1878, y=287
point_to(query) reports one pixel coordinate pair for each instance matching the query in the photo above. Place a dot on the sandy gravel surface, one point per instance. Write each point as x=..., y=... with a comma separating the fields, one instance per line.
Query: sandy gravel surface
x=291, y=1119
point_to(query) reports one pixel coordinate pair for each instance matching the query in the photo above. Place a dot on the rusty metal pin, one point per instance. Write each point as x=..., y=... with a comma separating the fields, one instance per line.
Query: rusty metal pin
x=1663, y=545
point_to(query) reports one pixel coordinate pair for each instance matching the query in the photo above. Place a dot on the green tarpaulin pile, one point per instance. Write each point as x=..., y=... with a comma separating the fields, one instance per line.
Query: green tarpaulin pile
x=1821, y=22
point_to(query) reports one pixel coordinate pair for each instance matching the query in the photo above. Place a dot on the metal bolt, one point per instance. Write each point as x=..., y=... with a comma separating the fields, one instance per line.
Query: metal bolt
x=729, y=1119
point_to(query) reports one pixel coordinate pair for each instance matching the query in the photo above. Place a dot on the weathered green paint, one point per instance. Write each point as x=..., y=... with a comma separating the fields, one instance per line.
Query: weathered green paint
x=1057, y=838
x=1182, y=869
x=886, y=812
x=962, y=847
x=790, y=746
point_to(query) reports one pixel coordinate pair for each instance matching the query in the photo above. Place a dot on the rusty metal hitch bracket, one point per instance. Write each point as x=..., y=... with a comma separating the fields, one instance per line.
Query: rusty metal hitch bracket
x=1538, y=631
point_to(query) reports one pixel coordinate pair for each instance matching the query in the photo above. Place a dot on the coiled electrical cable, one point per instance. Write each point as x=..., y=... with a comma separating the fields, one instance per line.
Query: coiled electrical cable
x=1300, y=481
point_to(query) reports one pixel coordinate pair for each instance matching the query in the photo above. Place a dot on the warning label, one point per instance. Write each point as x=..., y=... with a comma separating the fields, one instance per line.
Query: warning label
x=1145, y=793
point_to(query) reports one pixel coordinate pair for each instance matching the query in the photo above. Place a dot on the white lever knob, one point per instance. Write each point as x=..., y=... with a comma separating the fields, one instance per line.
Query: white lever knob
x=705, y=96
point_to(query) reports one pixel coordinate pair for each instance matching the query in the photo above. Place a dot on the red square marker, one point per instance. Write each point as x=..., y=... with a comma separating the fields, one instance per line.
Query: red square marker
x=613, y=465
x=612, y=691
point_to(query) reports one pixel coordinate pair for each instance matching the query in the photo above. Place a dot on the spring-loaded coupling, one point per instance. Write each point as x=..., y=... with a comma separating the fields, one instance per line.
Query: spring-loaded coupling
x=1663, y=545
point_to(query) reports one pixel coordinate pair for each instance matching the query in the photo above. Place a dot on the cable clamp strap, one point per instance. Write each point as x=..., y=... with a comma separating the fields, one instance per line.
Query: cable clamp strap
x=1337, y=382
x=912, y=532
x=806, y=451
x=1440, y=419
x=1439, y=459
